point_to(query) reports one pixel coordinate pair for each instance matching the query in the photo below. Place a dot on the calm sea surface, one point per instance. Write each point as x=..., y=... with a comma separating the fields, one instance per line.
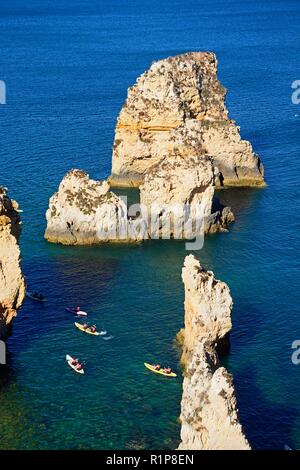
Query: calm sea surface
x=67, y=66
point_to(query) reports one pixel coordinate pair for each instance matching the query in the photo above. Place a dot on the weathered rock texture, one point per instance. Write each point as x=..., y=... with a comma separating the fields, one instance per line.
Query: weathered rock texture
x=177, y=185
x=12, y=286
x=178, y=106
x=209, y=414
x=85, y=212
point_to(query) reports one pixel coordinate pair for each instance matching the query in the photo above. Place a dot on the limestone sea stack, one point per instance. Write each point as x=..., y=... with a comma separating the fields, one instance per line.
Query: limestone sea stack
x=84, y=212
x=209, y=414
x=177, y=185
x=12, y=285
x=178, y=106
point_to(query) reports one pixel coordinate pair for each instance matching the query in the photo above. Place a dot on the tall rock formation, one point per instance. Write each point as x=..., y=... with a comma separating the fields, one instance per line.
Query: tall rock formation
x=12, y=286
x=85, y=212
x=209, y=414
x=178, y=106
x=184, y=187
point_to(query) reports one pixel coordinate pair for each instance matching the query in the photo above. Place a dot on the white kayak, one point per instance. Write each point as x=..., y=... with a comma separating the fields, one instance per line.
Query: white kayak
x=80, y=313
x=69, y=360
x=31, y=296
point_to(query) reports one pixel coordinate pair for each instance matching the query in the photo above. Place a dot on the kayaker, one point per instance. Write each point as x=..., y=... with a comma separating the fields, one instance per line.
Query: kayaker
x=79, y=366
x=167, y=370
x=157, y=367
x=77, y=309
x=85, y=326
x=75, y=361
x=93, y=329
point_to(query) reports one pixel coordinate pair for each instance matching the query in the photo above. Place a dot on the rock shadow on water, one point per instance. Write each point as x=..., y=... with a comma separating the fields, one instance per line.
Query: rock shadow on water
x=92, y=274
x=239, y=199
x=247, y=322
x=267, y=426
x=83, y=279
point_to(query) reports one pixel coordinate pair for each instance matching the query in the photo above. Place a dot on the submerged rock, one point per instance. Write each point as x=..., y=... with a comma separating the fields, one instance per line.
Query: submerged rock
x=178, y=106
x=12, y=285
x=209, y=414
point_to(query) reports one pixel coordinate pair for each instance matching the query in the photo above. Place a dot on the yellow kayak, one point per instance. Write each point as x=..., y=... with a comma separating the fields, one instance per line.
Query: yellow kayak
x=161, y=372
x=80, y=327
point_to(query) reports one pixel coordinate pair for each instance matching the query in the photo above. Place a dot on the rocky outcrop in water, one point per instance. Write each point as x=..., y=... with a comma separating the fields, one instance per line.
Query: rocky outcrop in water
x=209, y=414
x=184, y=187
x=12, y=285
x=175, y=141
x=85, y=212
x=178, y=107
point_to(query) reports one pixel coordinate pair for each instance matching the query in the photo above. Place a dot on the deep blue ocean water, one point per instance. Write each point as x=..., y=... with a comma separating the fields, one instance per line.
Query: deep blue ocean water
x=67, y=66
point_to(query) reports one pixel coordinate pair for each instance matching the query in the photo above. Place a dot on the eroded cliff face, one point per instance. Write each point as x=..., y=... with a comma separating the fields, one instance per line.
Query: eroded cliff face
x=12, y=285
x=178, y=106
x=184, y=187
x=85, y=212
x=209, y=413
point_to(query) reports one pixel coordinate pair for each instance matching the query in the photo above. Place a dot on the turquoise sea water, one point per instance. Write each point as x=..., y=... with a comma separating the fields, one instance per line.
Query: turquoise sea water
x=67, y=66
